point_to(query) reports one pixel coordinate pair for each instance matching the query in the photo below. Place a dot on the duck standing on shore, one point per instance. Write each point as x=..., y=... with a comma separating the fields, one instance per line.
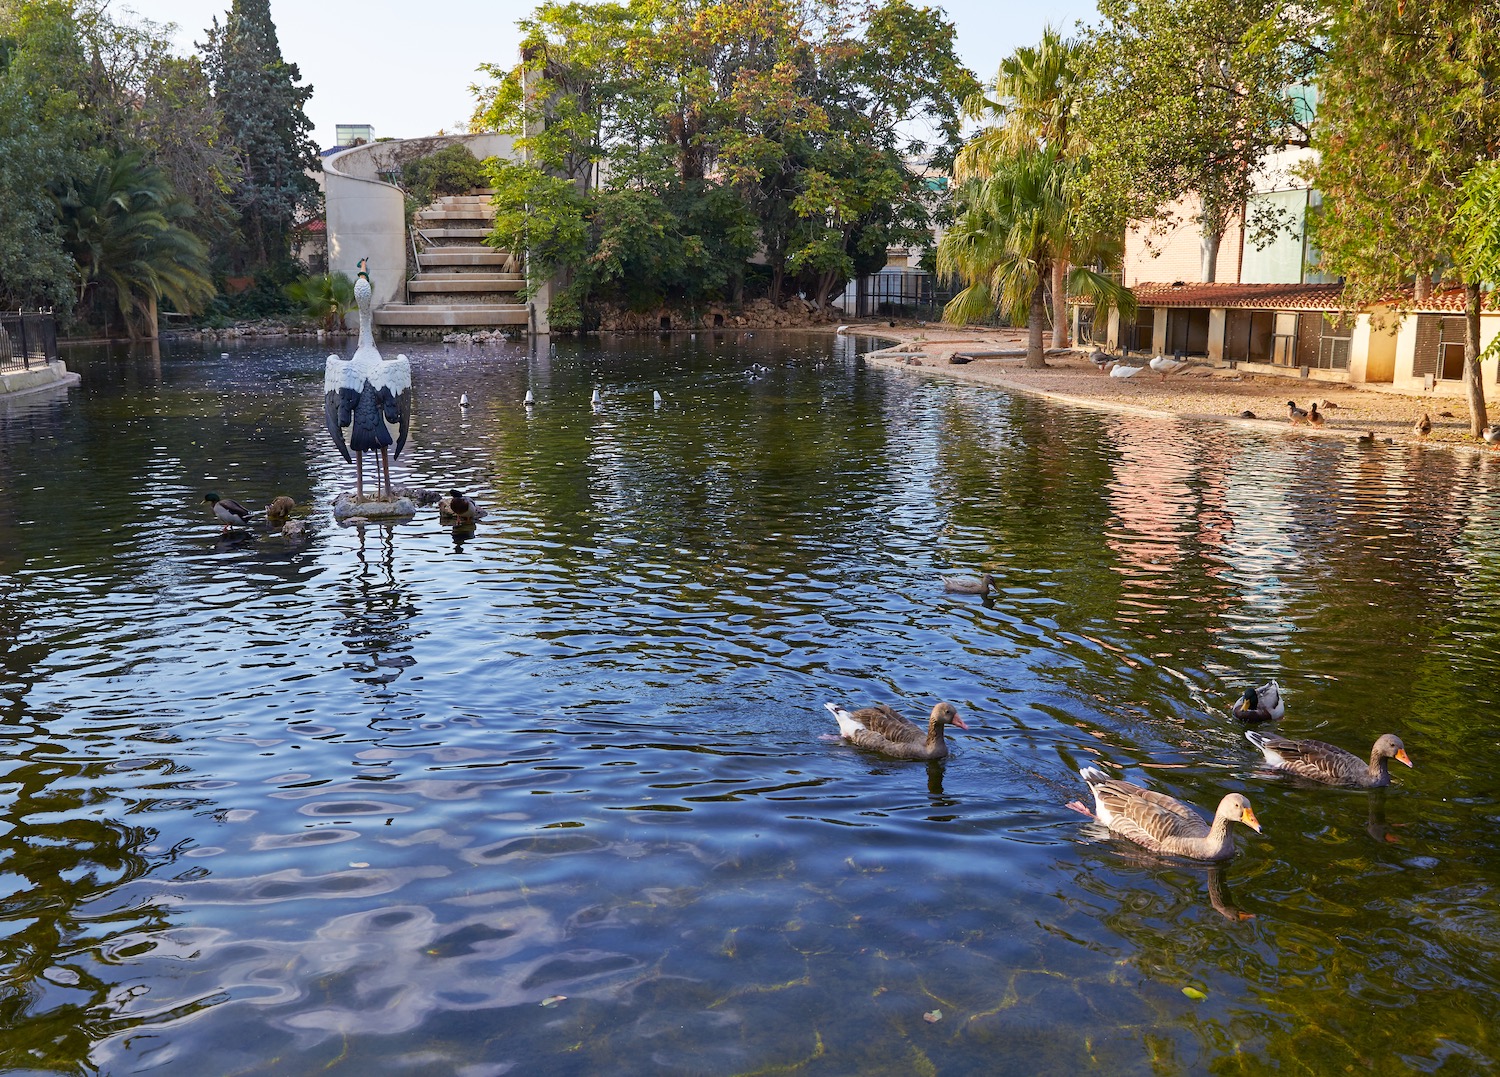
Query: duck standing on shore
x=1423, y=426
x=229, y=511
x=1314, y=416
x=1294, y=414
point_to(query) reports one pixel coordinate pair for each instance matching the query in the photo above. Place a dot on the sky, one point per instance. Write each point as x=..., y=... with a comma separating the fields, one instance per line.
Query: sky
x=383, y=63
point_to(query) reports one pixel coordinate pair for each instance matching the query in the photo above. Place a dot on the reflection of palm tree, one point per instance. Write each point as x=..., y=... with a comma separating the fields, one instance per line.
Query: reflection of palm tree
x=124, y=226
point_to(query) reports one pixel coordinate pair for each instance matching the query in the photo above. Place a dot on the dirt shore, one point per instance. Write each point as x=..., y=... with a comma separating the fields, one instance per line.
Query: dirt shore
x=1199, y=391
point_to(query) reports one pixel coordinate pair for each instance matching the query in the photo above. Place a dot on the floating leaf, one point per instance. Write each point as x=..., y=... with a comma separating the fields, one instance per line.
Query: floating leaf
x=932, y=1017
x=553, y=1000
x=1194, y=994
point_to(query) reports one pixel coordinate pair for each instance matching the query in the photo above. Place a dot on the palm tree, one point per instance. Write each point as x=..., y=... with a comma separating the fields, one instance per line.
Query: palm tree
x=125, y=227
x=1015, y=227
x=324, y=296
x=1033, y=104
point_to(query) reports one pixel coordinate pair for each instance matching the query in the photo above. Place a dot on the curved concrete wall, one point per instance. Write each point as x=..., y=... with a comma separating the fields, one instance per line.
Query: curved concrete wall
x=367, y=216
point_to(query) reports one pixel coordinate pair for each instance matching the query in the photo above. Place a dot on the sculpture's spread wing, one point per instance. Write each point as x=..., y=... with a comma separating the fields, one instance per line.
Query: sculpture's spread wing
x=335, y=377
x=398, y=379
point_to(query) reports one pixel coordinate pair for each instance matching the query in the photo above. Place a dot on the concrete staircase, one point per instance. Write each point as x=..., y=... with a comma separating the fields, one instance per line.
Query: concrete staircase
x=460, y=283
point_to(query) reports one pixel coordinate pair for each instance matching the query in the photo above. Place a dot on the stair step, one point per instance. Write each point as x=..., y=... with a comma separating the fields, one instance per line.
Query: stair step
x=461, y=256
x=469, y=282
x=452, y=315
x=470, y=213
x=453, y=233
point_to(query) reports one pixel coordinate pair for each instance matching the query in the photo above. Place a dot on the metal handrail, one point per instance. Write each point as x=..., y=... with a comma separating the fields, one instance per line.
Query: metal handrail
x=27, y=338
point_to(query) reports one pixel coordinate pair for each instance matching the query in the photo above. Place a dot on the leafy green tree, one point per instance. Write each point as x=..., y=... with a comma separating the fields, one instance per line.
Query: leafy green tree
x=1182, y=99
x=124, y=228
x=43, y=136
x=1398, y=141
x=1016, y=223
x=258, y=94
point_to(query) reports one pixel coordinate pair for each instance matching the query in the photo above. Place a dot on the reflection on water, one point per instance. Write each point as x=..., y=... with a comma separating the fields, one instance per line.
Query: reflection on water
x=372, y=801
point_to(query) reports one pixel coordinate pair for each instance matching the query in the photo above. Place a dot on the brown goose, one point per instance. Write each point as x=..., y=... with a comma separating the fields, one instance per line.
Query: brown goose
x=881, y=729
x=1165, y=824
x=969, y=585
x=1321, y=762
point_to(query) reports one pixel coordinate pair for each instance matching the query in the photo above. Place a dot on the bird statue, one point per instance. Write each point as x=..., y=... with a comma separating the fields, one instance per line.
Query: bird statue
x=1263, y=704
x=457, y=507
x=1314, y=416
x=969, y=585
x=1165, y=365
x=229, y=511
x=1294, y=414
x=280, y=508
x=1164, y=824
x=1319, y=762
x=1123, y=370
x=1423, y=426
x=881, y=729
x=1491, y=435
x=367, y=399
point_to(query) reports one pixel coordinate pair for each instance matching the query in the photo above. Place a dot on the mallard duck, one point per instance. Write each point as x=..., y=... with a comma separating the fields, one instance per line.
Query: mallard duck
x=1294, y=414
x=969, y=585
x=280, y=508
x=1366, y=439
x=1263, y=704
x=1423, y=426
x=881, y=729
x=1319, y=762
x=228, y=510
x=456, y=506
x=1165, y=824
x=1315, y=416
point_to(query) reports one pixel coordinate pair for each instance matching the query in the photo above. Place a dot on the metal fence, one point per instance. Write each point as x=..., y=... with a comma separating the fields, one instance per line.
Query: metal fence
x=27, y=339
x=903, y=293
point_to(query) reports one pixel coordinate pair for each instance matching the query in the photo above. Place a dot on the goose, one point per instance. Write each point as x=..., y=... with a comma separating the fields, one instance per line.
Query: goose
x=1263, y=704
x=881, y=729
x=457, y=506
x=1319, y=762
x=1100, y=359
x=366, y=398
x=1294, y=414
x=969, y=585
x=1120, y=370
x=1165, y=365
x=1165, y=824
x=1314, y=416
x=228, y=510
x=280, y=508
x=1423, y=426
x=1491, y=435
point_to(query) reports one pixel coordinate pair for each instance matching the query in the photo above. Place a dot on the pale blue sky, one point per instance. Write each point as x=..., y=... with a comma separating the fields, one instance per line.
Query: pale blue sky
x=406, y=68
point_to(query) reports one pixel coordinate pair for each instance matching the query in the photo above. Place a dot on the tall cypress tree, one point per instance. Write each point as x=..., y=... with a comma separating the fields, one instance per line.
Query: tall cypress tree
x=262, y=104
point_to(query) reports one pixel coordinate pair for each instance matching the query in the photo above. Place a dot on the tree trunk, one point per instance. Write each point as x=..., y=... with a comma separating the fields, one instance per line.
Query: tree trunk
x=1210, y=251
x=776, y=279
x=1060, y=303
x=1473, y=372
x=1422, y=286
x=1035, y=357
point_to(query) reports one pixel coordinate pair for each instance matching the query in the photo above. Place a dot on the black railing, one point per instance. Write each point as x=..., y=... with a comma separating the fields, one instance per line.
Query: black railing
x=903, y=293
x=27, y=339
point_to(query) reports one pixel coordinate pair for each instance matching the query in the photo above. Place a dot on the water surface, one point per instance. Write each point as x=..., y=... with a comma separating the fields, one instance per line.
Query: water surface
x=370, y=802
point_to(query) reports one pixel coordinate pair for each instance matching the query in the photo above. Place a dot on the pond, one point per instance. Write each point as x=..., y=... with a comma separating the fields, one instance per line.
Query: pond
x=552, y=798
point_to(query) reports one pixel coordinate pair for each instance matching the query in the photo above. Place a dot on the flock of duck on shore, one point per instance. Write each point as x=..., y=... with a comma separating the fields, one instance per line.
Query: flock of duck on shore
x=1160, y=823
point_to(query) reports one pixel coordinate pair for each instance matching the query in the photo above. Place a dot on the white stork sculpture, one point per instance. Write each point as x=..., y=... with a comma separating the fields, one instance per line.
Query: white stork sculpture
x=367, y=399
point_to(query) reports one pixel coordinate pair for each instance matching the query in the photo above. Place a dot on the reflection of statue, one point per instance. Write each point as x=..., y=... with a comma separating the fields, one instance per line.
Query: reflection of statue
x=367, y=399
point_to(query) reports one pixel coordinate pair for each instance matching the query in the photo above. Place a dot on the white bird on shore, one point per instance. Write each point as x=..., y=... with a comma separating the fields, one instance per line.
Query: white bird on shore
x=1123, y=370
x=1165, y=365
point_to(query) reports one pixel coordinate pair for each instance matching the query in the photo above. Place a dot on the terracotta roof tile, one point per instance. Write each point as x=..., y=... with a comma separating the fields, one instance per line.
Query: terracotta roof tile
x=1259, y=296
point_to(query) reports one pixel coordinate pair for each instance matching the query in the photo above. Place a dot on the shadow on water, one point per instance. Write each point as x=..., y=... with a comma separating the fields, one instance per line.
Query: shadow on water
x=547, y=793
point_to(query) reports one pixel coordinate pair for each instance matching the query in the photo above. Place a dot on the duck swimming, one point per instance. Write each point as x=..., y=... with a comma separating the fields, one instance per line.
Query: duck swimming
x=1165, y=824
x=881, y=729
x=1319, y=762
x=1263, y=704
